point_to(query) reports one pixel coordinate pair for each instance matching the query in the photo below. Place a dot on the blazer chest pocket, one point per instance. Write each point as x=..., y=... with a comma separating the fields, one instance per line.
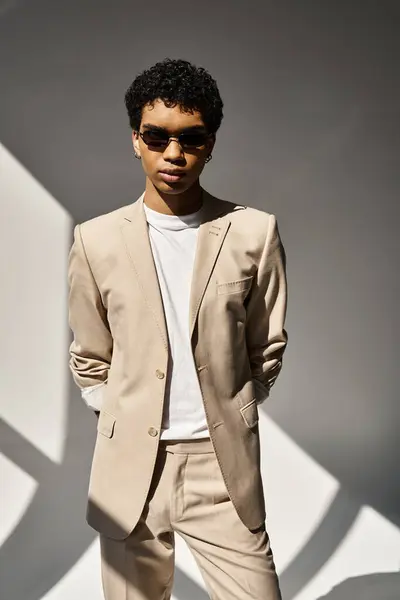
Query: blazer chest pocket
x=233, y=287
x=106, y=424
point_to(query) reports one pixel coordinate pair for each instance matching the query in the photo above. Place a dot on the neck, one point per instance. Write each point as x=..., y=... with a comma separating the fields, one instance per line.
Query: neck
x=187, y=202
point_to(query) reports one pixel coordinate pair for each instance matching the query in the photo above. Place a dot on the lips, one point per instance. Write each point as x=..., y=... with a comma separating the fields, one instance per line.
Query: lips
x=172, y=171
x=171, y=175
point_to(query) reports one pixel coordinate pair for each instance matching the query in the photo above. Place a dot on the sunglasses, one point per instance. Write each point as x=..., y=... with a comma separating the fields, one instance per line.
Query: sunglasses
x=159, y=139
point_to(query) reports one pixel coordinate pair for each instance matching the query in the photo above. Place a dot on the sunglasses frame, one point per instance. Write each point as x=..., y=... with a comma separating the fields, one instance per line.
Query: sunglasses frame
x=177, y=138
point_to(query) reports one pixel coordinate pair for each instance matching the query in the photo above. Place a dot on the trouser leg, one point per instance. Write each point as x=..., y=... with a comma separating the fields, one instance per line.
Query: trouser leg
x=236, y=563
x=141, y=566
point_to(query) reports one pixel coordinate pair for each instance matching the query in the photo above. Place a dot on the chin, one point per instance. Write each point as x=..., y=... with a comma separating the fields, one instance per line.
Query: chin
x=171, y=188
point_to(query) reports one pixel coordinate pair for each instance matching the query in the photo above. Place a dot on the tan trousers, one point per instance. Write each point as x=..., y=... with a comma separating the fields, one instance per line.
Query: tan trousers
x=188, y=496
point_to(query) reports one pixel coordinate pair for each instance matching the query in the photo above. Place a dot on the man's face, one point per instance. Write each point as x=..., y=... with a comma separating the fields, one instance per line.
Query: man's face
x=187, y=162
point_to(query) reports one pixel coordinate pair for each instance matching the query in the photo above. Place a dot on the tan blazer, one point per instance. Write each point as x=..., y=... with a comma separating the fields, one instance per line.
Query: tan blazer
x=237, y=313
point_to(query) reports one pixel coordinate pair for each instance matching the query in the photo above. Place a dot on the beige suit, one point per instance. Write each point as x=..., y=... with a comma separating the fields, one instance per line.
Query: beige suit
x=237, y=313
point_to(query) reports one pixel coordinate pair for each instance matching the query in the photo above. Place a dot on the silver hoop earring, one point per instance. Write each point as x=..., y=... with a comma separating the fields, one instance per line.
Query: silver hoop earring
x=209, y=157
x=137, y=156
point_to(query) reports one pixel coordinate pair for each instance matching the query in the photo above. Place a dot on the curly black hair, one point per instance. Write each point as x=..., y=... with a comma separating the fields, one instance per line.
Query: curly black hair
x=176, y=82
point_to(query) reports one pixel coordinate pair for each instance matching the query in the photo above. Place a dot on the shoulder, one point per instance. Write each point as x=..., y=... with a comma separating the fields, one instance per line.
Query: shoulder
x=247, y=220
x=100, y=231
x=254, y=217
x=105, y=221
x=100, y=236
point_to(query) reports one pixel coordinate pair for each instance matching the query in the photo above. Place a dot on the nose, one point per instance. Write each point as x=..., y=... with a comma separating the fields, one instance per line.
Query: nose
x=173, y=151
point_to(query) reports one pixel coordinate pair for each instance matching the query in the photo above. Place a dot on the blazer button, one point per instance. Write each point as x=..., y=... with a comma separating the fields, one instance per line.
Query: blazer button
x=153, y=432
x=160, y=374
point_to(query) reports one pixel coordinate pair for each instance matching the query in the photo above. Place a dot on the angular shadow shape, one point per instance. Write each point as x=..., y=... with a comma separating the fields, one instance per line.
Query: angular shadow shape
x=326, y=538
x=378, y=586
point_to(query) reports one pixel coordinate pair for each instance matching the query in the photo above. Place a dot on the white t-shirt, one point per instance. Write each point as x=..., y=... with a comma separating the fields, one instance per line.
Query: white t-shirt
x=173, y=241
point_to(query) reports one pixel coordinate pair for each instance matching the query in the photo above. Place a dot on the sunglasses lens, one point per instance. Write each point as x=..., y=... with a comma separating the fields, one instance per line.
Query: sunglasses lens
x=192, y=140
x=157, y=139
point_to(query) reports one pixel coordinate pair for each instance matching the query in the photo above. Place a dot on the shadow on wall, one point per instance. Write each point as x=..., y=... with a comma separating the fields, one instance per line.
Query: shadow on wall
x=51, y=535
x=379, y=586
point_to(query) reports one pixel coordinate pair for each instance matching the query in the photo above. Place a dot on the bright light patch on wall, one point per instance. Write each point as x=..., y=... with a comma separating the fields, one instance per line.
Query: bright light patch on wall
x=34, y=239
x=17, y=490
x=298, y=491
x=372, y=545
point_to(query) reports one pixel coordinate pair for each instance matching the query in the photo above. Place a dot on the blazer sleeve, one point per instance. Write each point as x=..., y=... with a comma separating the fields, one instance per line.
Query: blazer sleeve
x=266, y=336
x=91, y=349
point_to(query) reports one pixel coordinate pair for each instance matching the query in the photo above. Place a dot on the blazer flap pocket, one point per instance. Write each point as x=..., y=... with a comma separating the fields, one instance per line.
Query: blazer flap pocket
x=230, y=287
x=250, y=413
x=106, y=424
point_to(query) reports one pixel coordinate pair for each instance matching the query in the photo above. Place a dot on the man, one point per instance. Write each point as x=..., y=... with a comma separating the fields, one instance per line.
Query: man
x=177, y=305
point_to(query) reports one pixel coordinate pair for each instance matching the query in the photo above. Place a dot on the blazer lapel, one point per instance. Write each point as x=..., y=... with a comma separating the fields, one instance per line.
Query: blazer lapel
x=212, y=232
x=135, y=233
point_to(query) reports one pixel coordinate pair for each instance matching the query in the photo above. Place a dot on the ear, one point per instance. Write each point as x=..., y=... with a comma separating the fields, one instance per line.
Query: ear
x=210, y=143
x=135, y=142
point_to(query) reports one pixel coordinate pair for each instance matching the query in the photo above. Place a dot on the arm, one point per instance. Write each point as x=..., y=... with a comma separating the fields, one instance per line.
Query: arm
x=91, y=349
x=266, y=313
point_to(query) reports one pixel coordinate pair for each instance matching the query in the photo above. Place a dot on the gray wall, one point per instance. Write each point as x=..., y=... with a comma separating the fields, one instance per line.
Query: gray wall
x=311, y=133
